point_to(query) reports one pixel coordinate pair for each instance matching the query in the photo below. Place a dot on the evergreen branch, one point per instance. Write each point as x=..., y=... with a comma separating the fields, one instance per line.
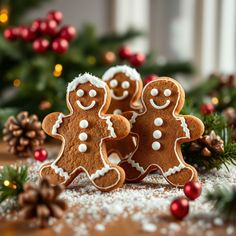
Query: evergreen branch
x=224, y=201
x=12, y=179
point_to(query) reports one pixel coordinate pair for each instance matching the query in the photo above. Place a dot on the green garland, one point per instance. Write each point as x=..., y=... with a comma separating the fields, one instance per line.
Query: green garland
x=12, y=179
x=224, y=201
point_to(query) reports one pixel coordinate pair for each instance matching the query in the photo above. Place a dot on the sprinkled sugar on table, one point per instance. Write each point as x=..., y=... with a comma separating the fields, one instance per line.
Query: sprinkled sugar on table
x=136, y=209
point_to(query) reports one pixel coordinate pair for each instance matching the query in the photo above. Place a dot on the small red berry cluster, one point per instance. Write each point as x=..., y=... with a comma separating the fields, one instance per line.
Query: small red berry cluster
x=180, y=206
x=135, y=59
x=44, y=33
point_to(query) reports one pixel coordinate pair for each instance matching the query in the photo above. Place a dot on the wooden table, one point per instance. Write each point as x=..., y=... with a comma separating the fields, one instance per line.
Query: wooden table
x=117, y=228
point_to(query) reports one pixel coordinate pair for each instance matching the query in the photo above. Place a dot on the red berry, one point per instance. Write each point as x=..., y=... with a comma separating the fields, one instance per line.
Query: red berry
x=150, y=78
x=192, y=189
x=207, y=108
x=43, y=27
x=137, y=59
x=40, y=45
x=179, y=208
x=40, y=154
x=51, y=27
x=125, y=52
x=55, y=15
x=60, y=45
x=68, y=33
x=10, y=34
x=26, y=34
x=35, y=26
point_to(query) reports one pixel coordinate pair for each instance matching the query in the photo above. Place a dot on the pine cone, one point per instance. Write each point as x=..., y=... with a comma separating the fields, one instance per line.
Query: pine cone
x=208, y=145
x=23, y=134
x=41, y=202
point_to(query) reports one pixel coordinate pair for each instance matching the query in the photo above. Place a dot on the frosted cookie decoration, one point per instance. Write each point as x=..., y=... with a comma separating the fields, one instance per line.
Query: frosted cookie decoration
x=126, y=87
x=160, y=131
x=84, y=133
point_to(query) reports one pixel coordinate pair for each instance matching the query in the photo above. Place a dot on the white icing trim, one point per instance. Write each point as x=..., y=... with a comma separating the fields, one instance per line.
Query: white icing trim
x=82, y=79
x=184, y=126
x=100, y=172
x=133, y=118
x=125, y=94
x=128, y=71
x=136, y=165
x=57, y=123
x=60, y=171
x=159, y=107
x=174, y=170
x=85, y=108
x=110, y=126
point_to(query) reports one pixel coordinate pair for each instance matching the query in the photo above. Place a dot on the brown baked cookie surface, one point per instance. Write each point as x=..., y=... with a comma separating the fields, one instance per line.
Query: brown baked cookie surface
x=84, y=134
x=126, y=87
x=160, y=130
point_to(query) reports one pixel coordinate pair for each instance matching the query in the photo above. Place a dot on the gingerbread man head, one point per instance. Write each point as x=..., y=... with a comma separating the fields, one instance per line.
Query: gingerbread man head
x=85, y=94
x=126, y=87
x=163, y=94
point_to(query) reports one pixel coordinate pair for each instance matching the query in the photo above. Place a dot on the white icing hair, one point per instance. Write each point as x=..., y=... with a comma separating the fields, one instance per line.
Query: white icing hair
x=128, y=71
x=82, y=79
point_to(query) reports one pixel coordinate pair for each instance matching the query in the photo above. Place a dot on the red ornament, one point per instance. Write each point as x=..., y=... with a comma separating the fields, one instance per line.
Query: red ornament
x=55, y=15
x=150, y=78
x=10, y=34
x=40, y=45
x=192, y=189
x=35, y=26
x=27, y=34
x=137, y=59
x=125, y=53
x=207, y=108
x=40, y=154
x=68, y=33
x=60, y=45
x=179, y=208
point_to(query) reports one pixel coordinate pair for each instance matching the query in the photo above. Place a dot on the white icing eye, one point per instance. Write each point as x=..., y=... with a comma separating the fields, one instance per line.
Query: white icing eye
x=167, y=92
x=92, y=93
x=80, y=93
x=125, y=85
x=154, y=92
x=113, y=83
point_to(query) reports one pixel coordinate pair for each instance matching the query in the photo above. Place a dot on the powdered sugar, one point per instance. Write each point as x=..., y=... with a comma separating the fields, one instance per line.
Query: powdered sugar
x=146, y=203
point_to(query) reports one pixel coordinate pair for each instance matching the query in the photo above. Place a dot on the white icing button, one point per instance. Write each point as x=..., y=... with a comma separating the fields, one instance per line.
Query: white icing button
x=92, y=93
x=82, y=148
x=83, y=136
x=80, y=93
x=156, y=145
x=125, y=84
x=167, y=92
x=154, y=92
x=113, y=83
x=83, y=124
x=157, y=134
x=158, y=122
x=117, y=112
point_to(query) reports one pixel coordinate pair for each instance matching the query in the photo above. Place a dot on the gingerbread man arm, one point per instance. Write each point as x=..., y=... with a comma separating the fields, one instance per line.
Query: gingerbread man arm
x=192, y=128
x=118, y=127
x=51, y=124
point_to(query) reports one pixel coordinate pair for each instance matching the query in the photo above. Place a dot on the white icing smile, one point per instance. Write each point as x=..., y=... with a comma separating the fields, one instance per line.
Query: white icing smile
x=93, y=103
x=125, y=94
x=161, y=106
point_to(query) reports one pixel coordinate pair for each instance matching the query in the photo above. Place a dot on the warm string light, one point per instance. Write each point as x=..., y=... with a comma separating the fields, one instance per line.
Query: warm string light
x=16, y=83
x=9, y=184
x=57, y=70
x=215, y=101
x=4, y=16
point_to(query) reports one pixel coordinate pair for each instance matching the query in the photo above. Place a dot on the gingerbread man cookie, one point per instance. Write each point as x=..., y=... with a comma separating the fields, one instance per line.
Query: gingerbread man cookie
x=160, y=131
x=84, y=133
x=126, y=87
